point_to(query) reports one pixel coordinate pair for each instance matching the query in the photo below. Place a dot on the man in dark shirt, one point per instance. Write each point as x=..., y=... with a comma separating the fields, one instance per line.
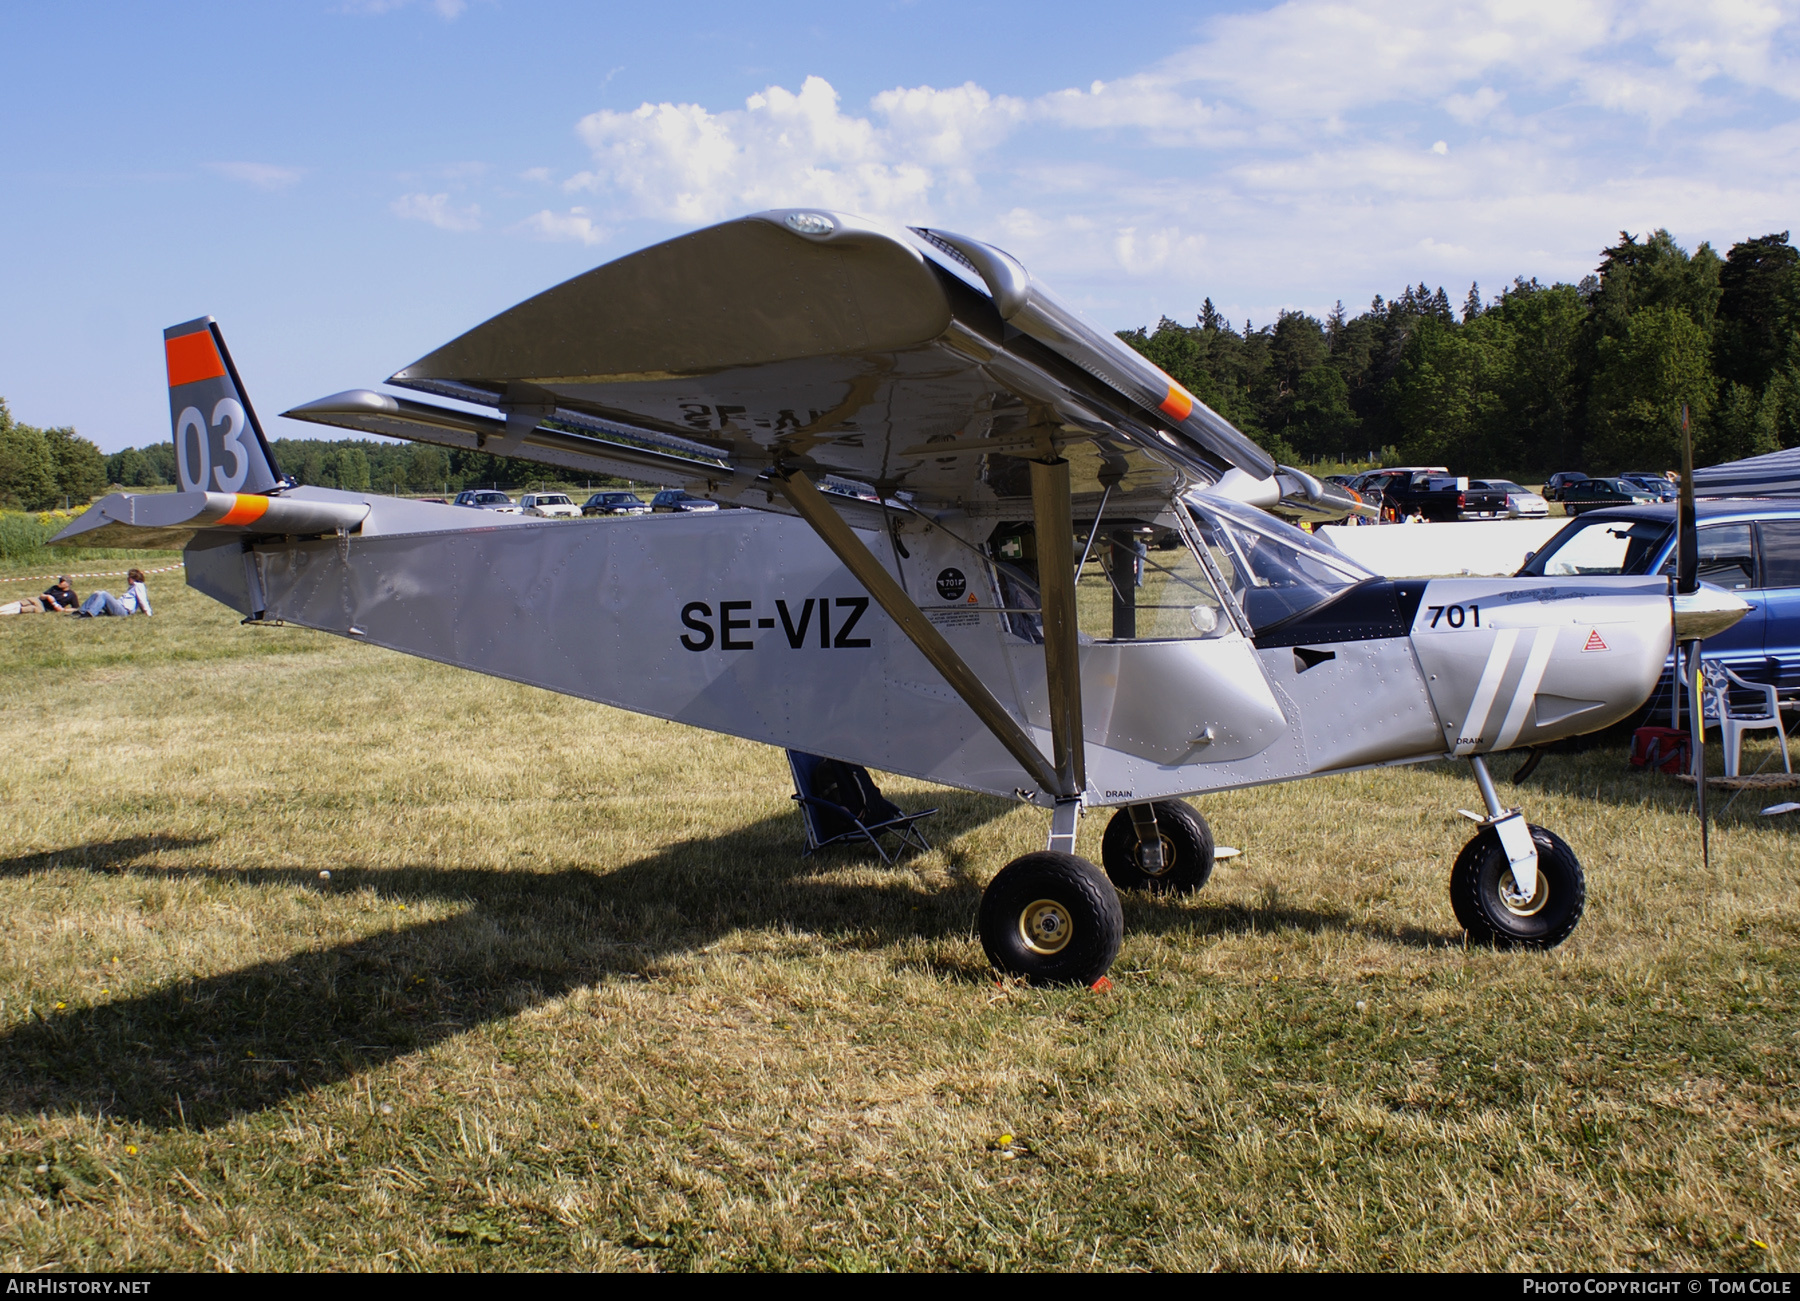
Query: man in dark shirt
x=60, y=596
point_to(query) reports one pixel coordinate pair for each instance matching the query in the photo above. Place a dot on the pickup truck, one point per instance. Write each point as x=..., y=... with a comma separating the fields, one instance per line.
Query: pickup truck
x=1440, y=498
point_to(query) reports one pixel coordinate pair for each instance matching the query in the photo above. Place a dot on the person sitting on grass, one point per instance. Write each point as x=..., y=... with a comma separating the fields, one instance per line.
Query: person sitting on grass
x=136, y=599
x=59, y=596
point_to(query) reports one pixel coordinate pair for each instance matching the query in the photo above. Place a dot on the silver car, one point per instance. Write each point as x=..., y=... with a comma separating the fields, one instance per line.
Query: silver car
x=487, y=499
x=1521, y=503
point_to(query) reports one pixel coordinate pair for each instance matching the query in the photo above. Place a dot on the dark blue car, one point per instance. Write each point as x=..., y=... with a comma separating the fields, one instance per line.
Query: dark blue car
x=1748, y=546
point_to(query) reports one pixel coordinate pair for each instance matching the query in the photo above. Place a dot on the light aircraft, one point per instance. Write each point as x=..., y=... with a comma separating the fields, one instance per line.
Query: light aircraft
x=986, y=545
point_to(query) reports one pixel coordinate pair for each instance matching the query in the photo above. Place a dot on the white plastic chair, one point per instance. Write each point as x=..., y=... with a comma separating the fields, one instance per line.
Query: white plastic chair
x=1716, y=684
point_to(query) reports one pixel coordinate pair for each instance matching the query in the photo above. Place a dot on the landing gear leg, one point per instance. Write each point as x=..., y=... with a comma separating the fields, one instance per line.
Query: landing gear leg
x=1515, y=885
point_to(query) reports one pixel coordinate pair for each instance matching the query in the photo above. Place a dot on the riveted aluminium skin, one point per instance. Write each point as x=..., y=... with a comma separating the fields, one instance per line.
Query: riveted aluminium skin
x=811, y=506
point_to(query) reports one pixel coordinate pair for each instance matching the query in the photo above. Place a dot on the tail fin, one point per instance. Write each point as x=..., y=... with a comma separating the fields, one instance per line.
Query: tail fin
x=219, y=443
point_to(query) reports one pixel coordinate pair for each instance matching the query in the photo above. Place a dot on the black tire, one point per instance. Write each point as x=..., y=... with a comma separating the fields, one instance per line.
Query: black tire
x=1187, y=850
x=1053, y=919
x=1554, y=911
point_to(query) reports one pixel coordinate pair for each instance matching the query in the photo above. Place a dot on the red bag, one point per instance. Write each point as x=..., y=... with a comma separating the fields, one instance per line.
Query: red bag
x=1663, y=748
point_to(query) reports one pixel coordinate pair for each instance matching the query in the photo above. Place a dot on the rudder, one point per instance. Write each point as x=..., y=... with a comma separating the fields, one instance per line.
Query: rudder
x=219, y=443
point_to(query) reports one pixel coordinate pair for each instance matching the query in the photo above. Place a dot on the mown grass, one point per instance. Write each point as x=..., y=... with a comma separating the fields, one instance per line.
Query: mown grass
x=571, y=998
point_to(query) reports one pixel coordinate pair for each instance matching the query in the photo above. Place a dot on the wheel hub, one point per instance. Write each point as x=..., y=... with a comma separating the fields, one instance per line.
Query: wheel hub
x=1046, y=926
x=1517, y=902
x=1168, y=858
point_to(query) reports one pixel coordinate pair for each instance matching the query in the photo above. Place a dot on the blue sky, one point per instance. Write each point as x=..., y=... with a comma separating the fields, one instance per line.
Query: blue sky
x=347, y=185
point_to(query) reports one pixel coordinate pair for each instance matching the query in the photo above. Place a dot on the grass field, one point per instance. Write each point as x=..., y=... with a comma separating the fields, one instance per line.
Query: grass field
x=571, y=998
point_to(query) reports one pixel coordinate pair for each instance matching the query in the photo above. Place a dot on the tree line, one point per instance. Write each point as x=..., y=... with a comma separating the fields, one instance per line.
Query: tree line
x=1590, y=376
x=41, y=469
x=354, y=464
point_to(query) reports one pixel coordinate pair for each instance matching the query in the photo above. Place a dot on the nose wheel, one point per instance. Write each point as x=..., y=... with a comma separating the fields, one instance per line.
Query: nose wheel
x=1052, y=918
x=1515, y=885
x=1493, y=908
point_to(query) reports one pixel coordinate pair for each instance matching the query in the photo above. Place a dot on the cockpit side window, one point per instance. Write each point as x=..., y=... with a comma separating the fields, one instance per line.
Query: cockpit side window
x=1143, y=582
x=1273, y=569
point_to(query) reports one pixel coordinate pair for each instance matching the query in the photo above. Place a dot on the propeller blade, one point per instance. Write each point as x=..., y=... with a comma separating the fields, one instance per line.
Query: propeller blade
x=1687, y=543
x=1697, y=743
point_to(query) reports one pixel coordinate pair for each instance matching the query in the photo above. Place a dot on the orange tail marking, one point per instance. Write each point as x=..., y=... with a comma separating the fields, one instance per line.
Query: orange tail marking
x=247, y=509
x=192, y=357
x=1179, y=404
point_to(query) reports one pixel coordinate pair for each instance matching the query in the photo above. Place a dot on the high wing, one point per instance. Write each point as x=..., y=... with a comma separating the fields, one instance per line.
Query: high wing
x=915, y=361
x=1206, y=645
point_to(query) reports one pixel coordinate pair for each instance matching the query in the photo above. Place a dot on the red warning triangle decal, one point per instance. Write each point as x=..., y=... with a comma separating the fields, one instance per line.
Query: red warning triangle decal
x=1594, y=642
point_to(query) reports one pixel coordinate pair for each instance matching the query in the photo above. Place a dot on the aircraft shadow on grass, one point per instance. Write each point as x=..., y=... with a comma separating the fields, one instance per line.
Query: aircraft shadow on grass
x=198, y=1052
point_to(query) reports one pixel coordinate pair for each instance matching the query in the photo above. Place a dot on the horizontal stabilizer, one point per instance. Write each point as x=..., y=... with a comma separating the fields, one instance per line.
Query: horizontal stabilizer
x=169, y=520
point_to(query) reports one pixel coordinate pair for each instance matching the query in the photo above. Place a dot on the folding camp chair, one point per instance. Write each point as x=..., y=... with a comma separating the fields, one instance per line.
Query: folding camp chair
x=840, y=801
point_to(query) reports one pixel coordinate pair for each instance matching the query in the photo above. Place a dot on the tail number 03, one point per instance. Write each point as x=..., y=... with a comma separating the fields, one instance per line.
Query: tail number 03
x=193, y=470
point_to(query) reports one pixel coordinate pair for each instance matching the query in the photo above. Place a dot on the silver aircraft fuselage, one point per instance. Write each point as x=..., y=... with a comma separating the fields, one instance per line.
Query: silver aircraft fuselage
x=743, y=622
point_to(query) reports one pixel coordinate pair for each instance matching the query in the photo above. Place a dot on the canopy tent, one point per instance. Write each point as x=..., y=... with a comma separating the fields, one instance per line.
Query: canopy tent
x=1774, y=474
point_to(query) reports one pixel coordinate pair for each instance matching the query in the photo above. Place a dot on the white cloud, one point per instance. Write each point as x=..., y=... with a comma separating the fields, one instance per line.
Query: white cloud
x=1472, y=108
x=680, y=162
x=945, y=128
x=1153, y=104
x=445, y=9
x=574, y=226
x=539, y=174
x=1286, y=156
x=262, y=176
x=1141, y=253
x=437, y=210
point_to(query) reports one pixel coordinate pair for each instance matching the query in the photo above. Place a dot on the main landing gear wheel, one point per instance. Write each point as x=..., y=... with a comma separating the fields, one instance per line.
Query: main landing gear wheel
x=1053, y=919
x=1187, y=845
x=1488, y=903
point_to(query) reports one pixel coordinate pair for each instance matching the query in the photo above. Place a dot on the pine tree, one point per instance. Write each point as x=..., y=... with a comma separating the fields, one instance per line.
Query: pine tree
x=1759, y=311
x=1472, y=304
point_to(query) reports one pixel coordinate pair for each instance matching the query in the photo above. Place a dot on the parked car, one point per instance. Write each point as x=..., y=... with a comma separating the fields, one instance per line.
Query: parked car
x=1438, y=497
x=1554, y=485
x=549, y=505
x=1655, y=483
x=681, y=502
x=1593, y=494
x=1750, y=548
x=1521, y=503
x=484, y=499
x=614, y=503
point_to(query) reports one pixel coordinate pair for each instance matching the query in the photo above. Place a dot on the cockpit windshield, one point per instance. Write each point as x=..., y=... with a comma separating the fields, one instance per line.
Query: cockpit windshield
x=1599, y=546
x=1274, y=570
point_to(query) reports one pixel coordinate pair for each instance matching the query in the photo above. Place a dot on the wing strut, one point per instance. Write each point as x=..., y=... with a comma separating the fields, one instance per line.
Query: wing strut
x=810, y=504
x=1051, y=514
